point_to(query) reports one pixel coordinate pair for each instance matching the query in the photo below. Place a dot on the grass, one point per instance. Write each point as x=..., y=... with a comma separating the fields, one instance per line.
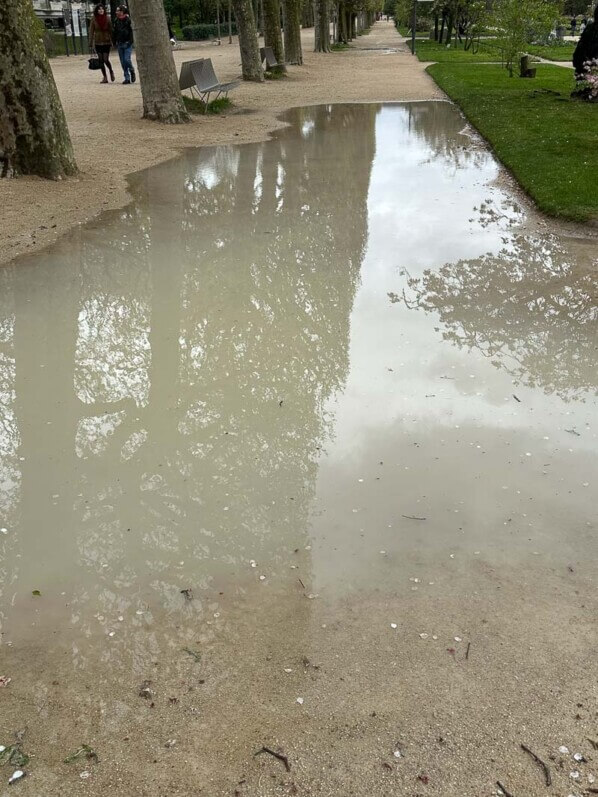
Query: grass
x=193, y=105
x=428, y=50
x=340, y=46
x=275, y=74
x=489, y=50
x=553, y=52
x=547, y=139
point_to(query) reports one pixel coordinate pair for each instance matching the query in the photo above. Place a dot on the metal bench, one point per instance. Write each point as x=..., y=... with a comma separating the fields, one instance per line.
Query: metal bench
x=206, y=82
x=186, y=79
x=267, y=55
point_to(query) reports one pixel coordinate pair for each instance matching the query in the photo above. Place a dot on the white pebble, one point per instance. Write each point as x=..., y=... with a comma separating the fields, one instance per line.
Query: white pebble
x=299, y=700
x=393, y=625
x=574, y=774
x=397, y=754
x=564, y=750
x=262, y=578
x=458, y=639
x=423, y=636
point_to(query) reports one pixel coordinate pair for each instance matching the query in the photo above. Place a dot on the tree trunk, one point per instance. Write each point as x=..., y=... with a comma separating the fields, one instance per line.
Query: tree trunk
x=450, y=28
x=162, y=98
x=34, y=138
x=292, y=31
x=321, y=27
x=272, y=32
x=248, y=43
x=341, y=29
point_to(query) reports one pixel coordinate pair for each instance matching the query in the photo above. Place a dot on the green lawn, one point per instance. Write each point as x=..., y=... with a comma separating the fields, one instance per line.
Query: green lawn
x=555, y=52
x=547, y=140
x=427, y=50
x=488, y=51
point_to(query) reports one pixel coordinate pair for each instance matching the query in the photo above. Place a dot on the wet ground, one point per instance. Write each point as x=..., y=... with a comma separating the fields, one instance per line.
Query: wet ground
x=299, y=450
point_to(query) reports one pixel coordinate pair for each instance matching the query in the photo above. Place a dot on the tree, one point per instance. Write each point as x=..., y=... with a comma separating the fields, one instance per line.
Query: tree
x=162, y=98
x=34, y=137
x=321, y=26
x=519, y=22
x=292, y=31
x=251, y=63
x=272, y=32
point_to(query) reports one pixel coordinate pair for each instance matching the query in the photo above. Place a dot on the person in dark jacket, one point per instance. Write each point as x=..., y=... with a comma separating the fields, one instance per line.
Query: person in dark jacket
x=123, y=38
x=100, y=39
x=587, y=47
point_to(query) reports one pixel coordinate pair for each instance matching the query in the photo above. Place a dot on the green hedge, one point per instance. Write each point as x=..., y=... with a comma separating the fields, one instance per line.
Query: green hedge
x=201, y=32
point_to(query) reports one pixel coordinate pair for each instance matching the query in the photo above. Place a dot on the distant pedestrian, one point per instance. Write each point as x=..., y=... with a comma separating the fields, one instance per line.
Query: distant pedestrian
x=573, y=25
x=123, y=38
x=100, y=40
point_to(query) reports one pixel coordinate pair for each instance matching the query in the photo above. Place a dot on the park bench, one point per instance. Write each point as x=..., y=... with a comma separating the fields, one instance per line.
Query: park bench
x=186, y=79
x=206, y=82
x=267, y=55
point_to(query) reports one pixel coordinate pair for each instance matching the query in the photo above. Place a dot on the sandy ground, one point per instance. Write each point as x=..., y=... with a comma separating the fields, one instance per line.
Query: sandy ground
x=111, y=140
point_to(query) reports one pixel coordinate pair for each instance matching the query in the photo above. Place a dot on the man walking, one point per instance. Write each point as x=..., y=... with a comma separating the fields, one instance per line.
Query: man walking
x=122, y=33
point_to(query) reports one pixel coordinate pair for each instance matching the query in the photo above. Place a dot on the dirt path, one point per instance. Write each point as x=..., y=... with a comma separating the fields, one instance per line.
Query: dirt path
x=111, y=140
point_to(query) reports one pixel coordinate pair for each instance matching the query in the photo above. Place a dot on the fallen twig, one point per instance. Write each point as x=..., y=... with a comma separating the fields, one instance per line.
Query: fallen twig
x=467, y=651
x=413, y=517
x=503, y=790
x=301, y=582
x=541, y=763
x=279, y=756
x=516, y=399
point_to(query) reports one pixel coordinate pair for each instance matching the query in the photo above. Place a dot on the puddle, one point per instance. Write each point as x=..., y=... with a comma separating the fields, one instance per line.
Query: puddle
x=295, y=392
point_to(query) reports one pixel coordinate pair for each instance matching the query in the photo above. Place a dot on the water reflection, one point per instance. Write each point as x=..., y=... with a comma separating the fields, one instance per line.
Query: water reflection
x=165, y=374
x=531, y=309
x=170, y=375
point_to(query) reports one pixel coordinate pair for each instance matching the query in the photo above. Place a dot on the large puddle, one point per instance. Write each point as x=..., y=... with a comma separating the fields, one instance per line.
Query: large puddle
x=296, y=394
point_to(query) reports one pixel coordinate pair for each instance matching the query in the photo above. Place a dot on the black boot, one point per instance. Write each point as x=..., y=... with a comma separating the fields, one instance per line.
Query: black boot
x=132, y=74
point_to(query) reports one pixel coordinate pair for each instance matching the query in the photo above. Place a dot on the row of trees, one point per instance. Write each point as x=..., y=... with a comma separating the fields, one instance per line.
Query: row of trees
x=512, y=23
x=34, y=137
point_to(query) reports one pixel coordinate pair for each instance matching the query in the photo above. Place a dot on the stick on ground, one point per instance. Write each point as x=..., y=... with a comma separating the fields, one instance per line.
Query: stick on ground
x=503, y=790
x=541, y=763
x=279, y=756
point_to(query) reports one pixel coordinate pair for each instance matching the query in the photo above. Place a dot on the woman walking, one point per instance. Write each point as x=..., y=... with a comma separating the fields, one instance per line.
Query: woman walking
x=100, y=39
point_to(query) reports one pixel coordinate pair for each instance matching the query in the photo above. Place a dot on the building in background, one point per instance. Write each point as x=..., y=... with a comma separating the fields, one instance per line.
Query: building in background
x=60, y=14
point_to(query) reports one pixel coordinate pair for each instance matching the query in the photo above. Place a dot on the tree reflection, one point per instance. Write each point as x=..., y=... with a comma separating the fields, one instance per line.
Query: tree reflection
x=202, y=331
x=531, y=309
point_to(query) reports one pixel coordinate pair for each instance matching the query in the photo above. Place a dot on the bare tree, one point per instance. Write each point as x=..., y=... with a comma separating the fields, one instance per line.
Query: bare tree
x=34, y=138
x=162, y=98
x=292, y=31
x=251, y=64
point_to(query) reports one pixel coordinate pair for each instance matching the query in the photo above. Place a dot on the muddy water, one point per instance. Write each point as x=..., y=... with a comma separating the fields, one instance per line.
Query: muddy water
x=310, y=419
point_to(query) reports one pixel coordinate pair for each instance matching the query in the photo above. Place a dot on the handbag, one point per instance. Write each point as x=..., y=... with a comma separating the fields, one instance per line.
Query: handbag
x=93, y=62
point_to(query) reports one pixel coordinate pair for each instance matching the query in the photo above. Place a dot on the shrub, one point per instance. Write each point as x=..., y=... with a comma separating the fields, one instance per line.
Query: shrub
x=203, y=32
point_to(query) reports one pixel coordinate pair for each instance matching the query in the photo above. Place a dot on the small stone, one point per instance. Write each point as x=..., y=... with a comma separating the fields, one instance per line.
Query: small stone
x=575, y=774
x=393, y=625
x=299, y=700
x=564, y=750
x=397, y=754
x=423, y=636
